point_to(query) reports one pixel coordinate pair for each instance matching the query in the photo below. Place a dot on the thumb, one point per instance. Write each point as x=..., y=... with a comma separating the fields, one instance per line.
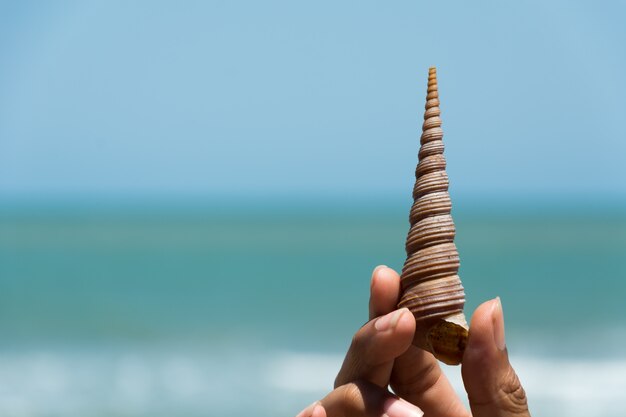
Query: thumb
x=493, y=388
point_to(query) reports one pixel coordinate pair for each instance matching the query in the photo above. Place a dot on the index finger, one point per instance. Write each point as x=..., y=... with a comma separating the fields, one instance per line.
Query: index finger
x=384, y=291
x=416, y=376
x=374, y=348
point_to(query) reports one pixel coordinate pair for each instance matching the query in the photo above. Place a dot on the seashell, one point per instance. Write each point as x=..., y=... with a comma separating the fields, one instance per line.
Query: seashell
x=431, y=288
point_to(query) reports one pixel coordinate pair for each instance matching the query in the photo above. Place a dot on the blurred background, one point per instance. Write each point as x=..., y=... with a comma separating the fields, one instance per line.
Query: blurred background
x=193, y=195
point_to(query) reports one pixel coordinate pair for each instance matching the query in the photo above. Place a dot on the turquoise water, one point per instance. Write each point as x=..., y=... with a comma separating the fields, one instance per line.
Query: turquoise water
x=199, y=311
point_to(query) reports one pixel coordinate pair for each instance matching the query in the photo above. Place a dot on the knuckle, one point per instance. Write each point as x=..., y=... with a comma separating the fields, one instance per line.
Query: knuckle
x=337, y=382
x=359, y=350
x=351, y=395
x=512, y=392
x=422, y=380
x=357, y=343
x=507, y=395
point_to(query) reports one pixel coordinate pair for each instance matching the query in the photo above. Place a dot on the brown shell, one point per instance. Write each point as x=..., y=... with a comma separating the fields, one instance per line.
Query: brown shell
x=431, y=288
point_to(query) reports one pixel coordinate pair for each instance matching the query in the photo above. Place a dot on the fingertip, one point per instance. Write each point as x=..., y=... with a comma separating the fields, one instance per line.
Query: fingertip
x=309, y=411
x=406, y=323
x=396, y=335
x=318, y=411
x=378, y=268
x=389, y=322
x=397, y=407
x=384, y=291
x=376, y=274
x=481, y=325
x=382, y=274
x=405, y=330
x=388, y=274
x=398, y=325
x=491, y=383
x=480, y=357
x=390, y=280
x=481, y=352
x=497, y=315
x=487, y=325
x=483, y=311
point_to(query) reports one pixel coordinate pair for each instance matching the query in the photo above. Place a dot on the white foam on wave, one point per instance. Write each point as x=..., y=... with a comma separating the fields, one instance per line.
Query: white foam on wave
x=303, y=372
x=573, y=387
x=95, y=382
x=171, y=381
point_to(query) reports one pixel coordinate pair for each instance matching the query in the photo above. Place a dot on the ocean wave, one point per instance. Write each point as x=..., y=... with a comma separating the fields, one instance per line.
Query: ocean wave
x=235, y=382
x=555, y=387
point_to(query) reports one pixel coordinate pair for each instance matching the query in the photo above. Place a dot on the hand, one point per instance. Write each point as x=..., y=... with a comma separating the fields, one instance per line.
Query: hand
x=381, y=354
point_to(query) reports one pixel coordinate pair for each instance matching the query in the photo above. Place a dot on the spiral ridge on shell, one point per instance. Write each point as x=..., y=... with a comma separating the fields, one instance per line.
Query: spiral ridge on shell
x=431, y=287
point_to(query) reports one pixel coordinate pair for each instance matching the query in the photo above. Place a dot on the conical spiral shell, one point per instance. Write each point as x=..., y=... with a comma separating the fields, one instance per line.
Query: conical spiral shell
x=431, y=288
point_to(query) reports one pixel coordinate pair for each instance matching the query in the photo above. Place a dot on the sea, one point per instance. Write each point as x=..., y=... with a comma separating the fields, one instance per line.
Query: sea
x=210, y=309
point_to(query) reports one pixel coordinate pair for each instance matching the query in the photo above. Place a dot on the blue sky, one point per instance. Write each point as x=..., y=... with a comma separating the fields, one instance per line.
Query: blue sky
x=321, y=98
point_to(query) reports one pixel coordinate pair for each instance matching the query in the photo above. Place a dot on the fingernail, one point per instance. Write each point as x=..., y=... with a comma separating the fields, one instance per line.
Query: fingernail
x=399, y=408
x=389, y=321
x=308, y=411
x=378, y=268
x=497, y=316
x=374, y=274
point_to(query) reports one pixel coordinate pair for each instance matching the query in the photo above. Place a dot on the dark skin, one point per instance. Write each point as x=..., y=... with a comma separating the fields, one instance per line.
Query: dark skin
x=381, y=355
